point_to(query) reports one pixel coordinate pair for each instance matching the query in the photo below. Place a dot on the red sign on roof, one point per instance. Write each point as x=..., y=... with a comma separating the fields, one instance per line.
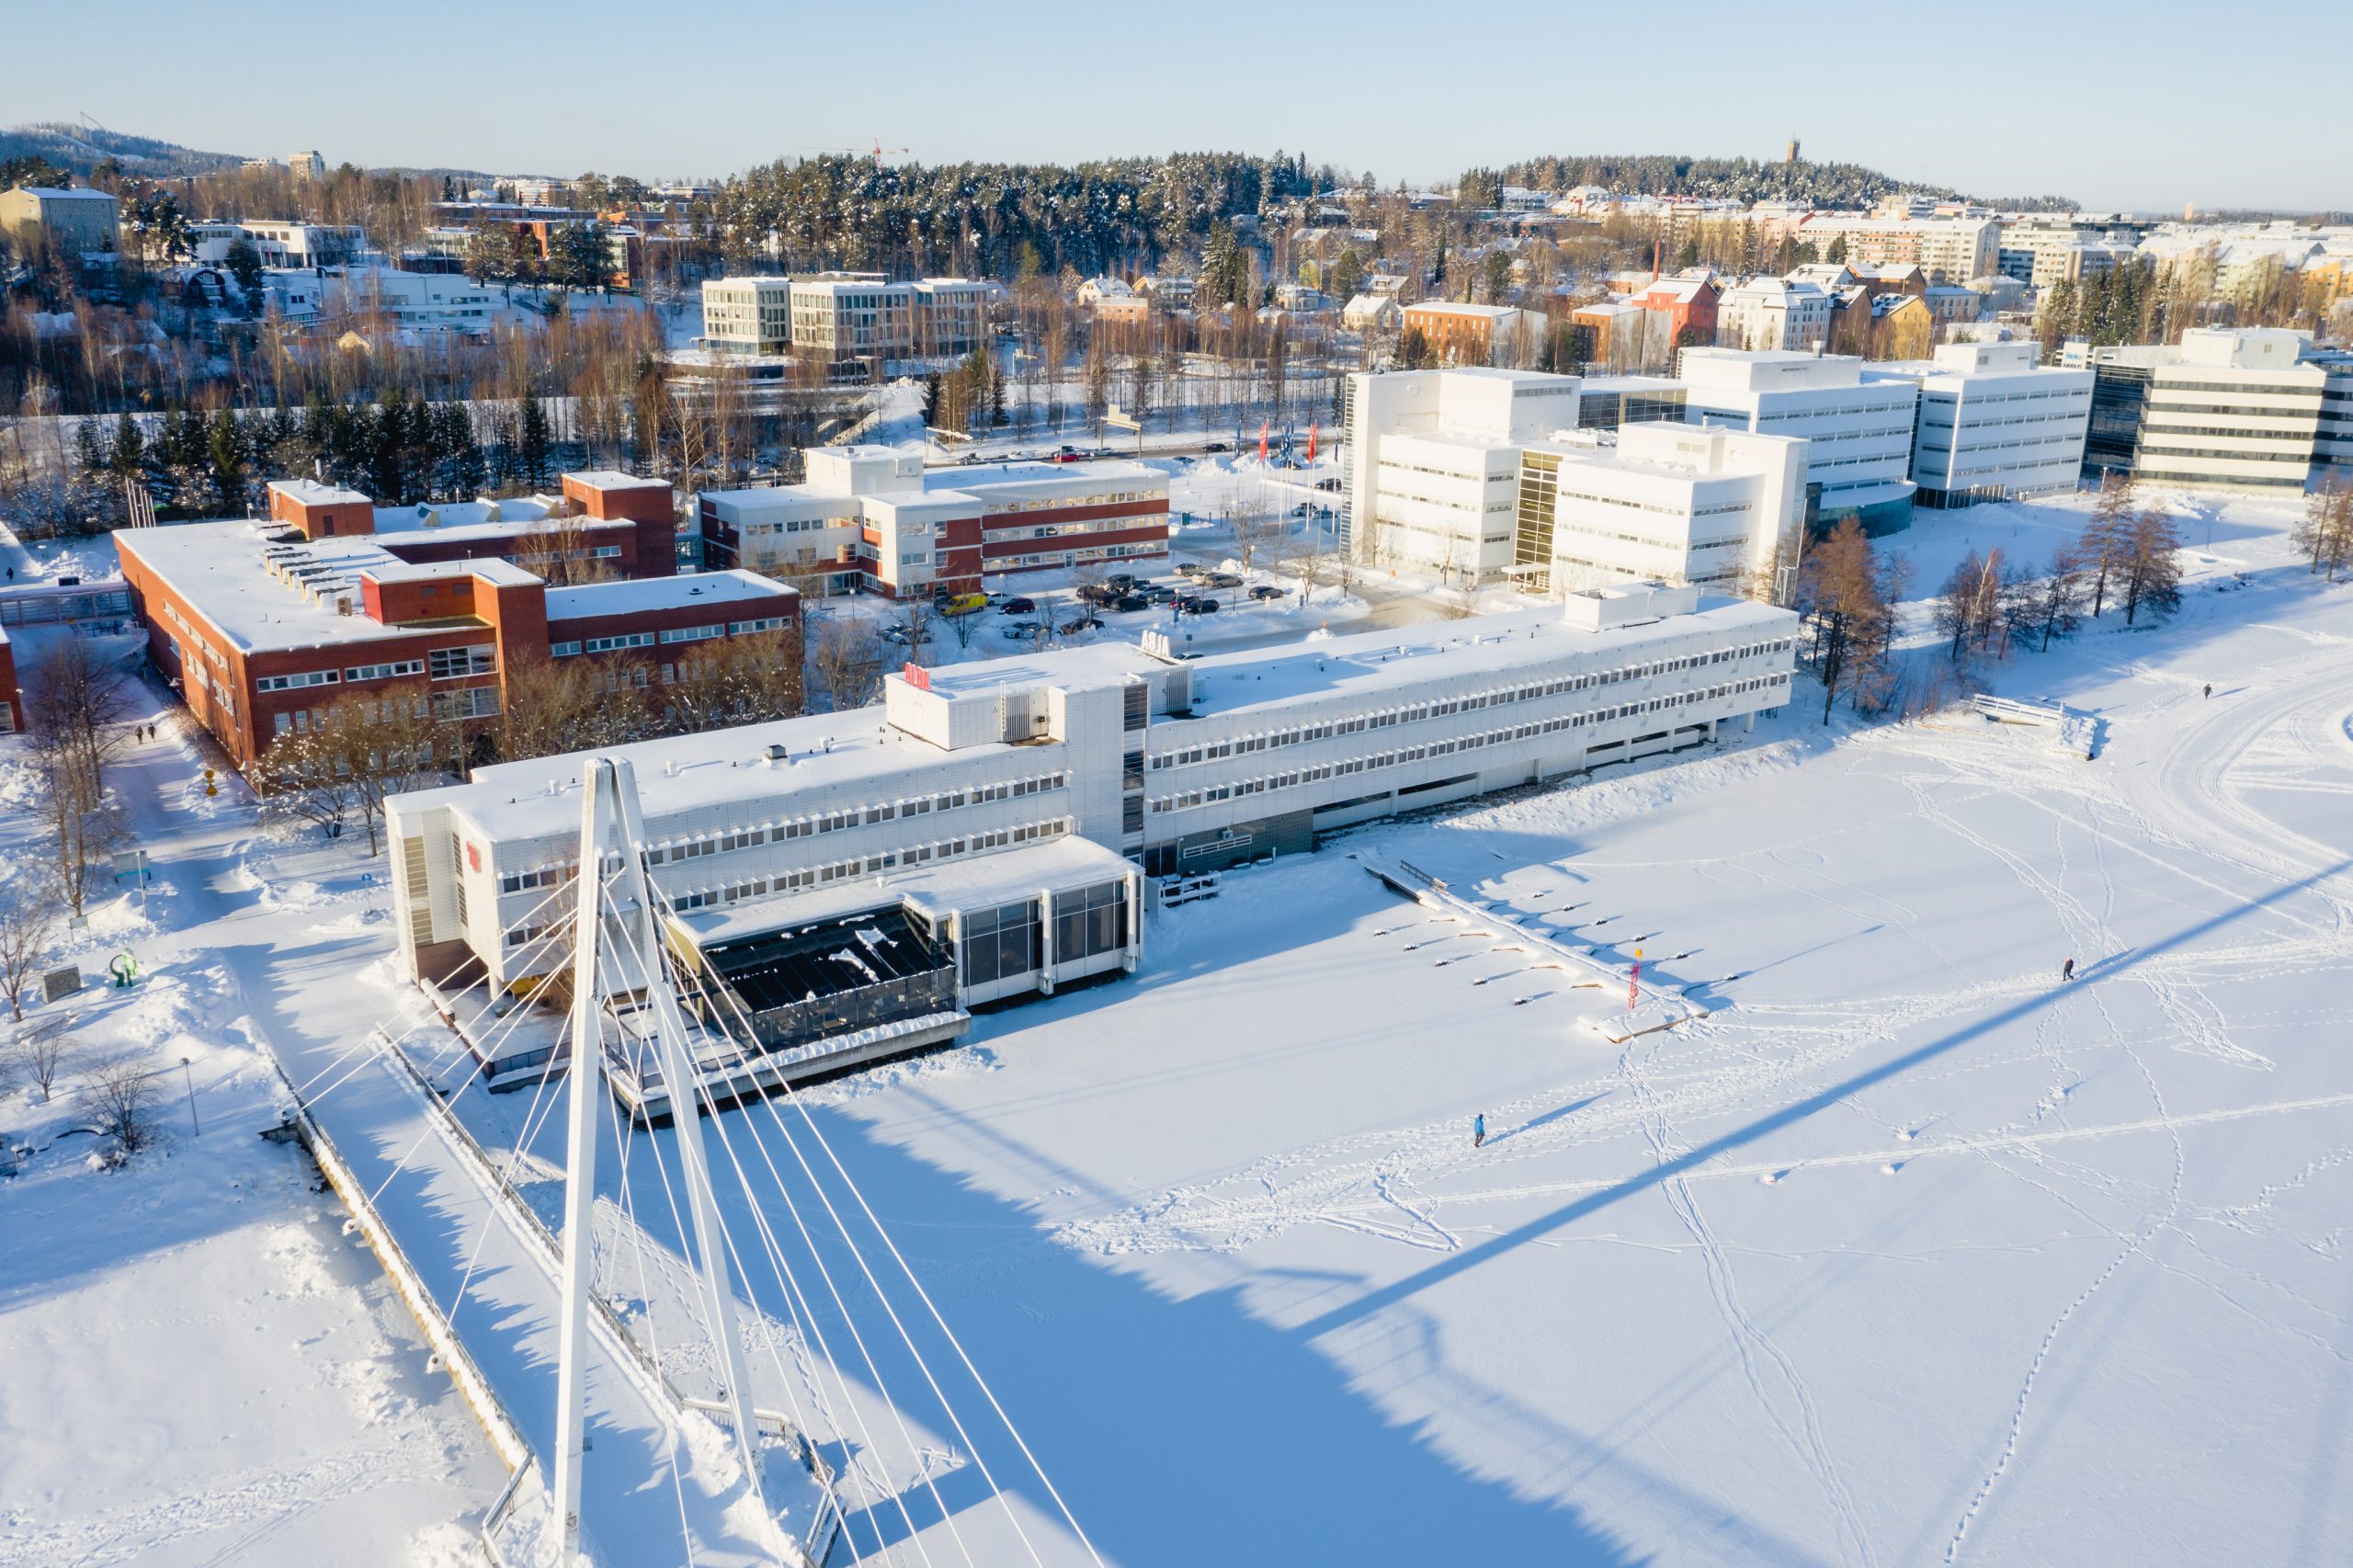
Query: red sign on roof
x=918, y=676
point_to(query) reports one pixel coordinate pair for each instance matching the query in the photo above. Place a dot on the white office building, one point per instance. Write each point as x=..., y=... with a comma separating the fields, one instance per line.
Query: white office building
x=1774, y=313
x=1996, y=423
x=1433, y=464
x=1716, y=509
x=874, y=520
x=746, y=315
x=985, y=831
x=2233, y=408
x=1858, y=433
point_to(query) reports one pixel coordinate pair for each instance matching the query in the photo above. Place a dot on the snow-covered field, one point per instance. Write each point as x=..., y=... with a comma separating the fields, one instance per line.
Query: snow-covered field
x=1908, y=1253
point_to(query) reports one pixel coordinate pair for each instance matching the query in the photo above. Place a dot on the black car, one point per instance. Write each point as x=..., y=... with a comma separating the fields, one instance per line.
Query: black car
x=1195, y=603
x=1217, y=447
x=1120, y=582
x=1132, y=603
x=1266, y=591
x=1158, y=593
x=1083, y=623
x=1019, y=607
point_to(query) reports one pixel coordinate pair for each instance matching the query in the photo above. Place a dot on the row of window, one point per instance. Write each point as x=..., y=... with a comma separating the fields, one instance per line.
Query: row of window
x=889, y=860
x=1187, y=800
x=1439, y=709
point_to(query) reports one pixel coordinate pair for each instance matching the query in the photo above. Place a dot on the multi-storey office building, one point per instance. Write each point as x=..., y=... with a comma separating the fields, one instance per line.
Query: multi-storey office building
x=1433, y=463
x=872, y=519
x=747, y=316
x=1995, y=423
x=2233, y=408
x=262, y=630
x=1858, y=433
x=1713, y=508
x=849, y=320
x=77, y=218
x=980, y=834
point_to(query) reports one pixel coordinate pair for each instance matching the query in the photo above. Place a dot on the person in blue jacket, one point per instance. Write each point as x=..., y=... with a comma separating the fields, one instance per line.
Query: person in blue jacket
x=1479, y=1129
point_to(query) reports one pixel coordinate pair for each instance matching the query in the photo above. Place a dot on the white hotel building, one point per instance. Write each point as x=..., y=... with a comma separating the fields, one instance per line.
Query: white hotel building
x=984, y=832
x=1995, y=423
x=1858, y=433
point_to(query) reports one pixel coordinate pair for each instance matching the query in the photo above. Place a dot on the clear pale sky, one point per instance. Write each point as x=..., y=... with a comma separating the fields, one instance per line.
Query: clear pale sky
x=2137, y=106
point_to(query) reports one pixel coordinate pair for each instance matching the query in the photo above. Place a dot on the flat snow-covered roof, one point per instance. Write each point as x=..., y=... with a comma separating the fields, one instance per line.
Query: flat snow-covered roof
x=642, y=594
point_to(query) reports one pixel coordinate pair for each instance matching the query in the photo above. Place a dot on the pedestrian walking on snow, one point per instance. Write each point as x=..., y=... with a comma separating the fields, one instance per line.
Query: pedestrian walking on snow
x=1479, y=1129
x=2067, y=971
x=2209, y=688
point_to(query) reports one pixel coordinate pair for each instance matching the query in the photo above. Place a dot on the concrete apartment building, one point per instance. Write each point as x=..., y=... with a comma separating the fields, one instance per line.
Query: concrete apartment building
x=601, y=522
x=1858, y=433
x=1433, y=464
x=1503, y=335
x=1715, y=509
x=872, y=519
x=1995, y=423
x=991, y=823
x=76, y=219
x=1949, y=250
x=1773, y=313
x=262, y=630
x=282, y=245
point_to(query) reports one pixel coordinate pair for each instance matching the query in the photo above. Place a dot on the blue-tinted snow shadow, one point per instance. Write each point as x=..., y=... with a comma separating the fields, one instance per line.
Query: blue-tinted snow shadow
x=1180, y=1431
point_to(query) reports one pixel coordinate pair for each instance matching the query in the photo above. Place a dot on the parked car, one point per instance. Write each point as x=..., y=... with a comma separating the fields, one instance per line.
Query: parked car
x=1266, y=591
x=1068, y=458
x=1189, y=569
x=1195, y=604
x=1131, y=603
x=1120, y=582
x=1222, y=580
x=1083, y=623
x=1217, y=447
x=1300, y=510
x=1158, y=593
x=1019, y=607
x=1328, y=484
x=965, y=603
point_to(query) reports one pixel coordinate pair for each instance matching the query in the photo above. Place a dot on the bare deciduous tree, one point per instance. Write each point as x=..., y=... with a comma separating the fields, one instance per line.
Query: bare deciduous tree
x=45, y=1053
x=844, y=666
x=121, y=1090
x=77, y=716
x=27, y=925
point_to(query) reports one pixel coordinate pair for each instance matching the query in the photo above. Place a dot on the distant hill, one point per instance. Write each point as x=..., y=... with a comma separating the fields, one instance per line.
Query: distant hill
x=80, y=149
x=1744, y=180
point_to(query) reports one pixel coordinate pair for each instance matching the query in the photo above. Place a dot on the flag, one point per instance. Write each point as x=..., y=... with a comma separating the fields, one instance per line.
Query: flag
x=1262, y=439
x=1635, y=985
x=915, y=675
x=1311, y=440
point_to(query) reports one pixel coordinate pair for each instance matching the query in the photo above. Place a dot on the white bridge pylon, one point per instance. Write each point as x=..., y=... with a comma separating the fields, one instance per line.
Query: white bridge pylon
x=617, y=950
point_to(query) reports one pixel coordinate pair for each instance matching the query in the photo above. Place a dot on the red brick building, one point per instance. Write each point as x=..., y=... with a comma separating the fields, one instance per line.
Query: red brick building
x=605, y=521
x=262, y=630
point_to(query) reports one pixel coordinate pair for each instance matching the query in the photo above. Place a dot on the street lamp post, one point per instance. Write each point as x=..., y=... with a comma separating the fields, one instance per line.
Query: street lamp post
x=196, y=1129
